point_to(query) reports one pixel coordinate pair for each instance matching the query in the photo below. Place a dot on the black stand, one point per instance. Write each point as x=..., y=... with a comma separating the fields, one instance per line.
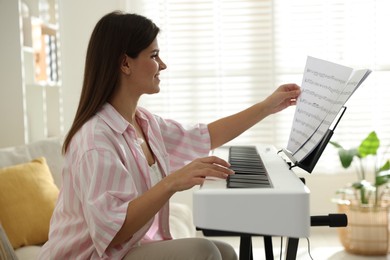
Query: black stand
x=310, y=161
x=246, y=250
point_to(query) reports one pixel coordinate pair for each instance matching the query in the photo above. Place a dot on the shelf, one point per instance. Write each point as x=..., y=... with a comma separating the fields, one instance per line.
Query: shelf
x=43, y=84
x=43, y=97
x=45, y=9
x=28, y=49
x=48, y=28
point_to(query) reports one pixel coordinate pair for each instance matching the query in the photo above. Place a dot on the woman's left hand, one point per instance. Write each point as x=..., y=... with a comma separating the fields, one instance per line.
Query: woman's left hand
x=284, y=96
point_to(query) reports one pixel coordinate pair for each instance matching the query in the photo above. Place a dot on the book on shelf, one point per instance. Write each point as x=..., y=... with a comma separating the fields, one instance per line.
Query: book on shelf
x=45, y=52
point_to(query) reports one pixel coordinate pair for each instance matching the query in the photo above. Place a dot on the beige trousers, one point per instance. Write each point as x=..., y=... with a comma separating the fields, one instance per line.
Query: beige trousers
x=183, y=249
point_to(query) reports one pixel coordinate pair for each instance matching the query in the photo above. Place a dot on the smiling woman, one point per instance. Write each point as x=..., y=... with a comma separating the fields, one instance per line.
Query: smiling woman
x=123, y=163
x=224, y=54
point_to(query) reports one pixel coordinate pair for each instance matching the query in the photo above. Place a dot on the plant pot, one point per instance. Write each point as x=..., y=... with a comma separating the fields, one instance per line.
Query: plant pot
x=367, y=232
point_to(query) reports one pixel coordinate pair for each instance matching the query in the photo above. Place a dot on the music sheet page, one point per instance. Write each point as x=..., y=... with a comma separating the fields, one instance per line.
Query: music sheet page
x=325, y=87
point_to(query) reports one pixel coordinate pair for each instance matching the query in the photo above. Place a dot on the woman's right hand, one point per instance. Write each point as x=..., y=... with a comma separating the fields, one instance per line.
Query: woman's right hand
x=195, y=173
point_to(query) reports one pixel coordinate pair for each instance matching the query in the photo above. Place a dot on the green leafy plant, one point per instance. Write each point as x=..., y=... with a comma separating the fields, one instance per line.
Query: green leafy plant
x=366, y=150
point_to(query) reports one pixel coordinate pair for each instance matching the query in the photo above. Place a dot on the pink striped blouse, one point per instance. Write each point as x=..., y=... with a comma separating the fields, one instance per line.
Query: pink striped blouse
x=104, y=170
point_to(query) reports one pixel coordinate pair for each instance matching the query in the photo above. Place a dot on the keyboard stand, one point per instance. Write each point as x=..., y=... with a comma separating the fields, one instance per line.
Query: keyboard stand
x=246, y=249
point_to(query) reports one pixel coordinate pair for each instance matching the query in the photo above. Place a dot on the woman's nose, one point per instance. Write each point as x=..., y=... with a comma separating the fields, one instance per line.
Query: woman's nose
x=162, y=65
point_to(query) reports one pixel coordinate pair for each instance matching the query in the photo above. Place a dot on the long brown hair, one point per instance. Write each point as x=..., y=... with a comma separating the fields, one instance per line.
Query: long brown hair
x=115, y=35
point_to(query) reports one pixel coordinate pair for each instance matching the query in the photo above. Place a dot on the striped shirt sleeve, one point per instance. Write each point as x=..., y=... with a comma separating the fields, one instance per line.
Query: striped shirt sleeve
x=184, y=144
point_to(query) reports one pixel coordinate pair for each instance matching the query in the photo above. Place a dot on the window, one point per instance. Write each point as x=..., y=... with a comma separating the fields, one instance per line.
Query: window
x=225, y=55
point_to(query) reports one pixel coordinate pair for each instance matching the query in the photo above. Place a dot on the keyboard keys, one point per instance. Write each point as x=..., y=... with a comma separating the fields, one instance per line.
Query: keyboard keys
x=249, y=168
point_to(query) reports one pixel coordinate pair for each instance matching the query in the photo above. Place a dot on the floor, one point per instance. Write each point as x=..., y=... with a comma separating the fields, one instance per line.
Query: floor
x=324, y=244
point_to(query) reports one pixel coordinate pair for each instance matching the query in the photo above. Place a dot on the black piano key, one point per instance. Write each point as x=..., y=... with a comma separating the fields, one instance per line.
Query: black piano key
x=249, y=166
x=250, y=182
x=245, y=163
x=248, y=177
x=249, y=171
x=243, y=155
x=243, y=159
x=248, y=185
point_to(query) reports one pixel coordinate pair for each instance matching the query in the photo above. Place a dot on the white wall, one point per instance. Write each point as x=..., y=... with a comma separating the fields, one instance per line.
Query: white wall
x=11, y=90
x=77, y=20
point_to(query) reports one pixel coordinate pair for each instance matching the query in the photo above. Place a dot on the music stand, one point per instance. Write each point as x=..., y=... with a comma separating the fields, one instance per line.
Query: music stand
x=310, y=161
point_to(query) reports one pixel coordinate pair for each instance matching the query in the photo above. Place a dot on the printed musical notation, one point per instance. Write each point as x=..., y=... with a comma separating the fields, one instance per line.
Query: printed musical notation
x=325, y=88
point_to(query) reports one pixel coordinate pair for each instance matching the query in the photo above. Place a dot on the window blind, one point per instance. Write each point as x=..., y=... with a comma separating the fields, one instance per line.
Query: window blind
x=351, y=33
x=225, y=55
x=218, y=55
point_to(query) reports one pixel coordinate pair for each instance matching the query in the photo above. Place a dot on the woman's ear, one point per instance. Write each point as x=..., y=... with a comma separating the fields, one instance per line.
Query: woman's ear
x=125, y=65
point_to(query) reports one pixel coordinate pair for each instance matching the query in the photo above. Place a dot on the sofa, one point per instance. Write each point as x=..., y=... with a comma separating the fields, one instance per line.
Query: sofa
x=30, y=179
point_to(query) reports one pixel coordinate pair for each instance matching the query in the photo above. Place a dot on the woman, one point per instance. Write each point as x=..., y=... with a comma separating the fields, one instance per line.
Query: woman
x=122, y=164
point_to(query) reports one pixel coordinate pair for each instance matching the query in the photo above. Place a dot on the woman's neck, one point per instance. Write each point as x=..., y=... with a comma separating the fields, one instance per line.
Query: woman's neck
x=126, y=106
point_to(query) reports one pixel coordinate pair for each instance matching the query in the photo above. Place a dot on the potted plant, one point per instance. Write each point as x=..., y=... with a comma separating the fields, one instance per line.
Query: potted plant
x=365, y=201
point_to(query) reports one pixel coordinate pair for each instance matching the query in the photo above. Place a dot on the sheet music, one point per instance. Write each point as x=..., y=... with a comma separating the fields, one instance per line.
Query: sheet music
x=326, y=87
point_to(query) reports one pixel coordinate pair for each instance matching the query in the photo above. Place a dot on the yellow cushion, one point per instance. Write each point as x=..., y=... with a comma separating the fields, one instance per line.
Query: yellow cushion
x=27, y=199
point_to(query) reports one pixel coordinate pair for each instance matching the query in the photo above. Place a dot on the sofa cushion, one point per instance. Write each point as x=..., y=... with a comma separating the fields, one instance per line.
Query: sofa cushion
x=180, y=221
x=27, y=199
x=28, y=252
x=50, y=148
x=6, y=250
